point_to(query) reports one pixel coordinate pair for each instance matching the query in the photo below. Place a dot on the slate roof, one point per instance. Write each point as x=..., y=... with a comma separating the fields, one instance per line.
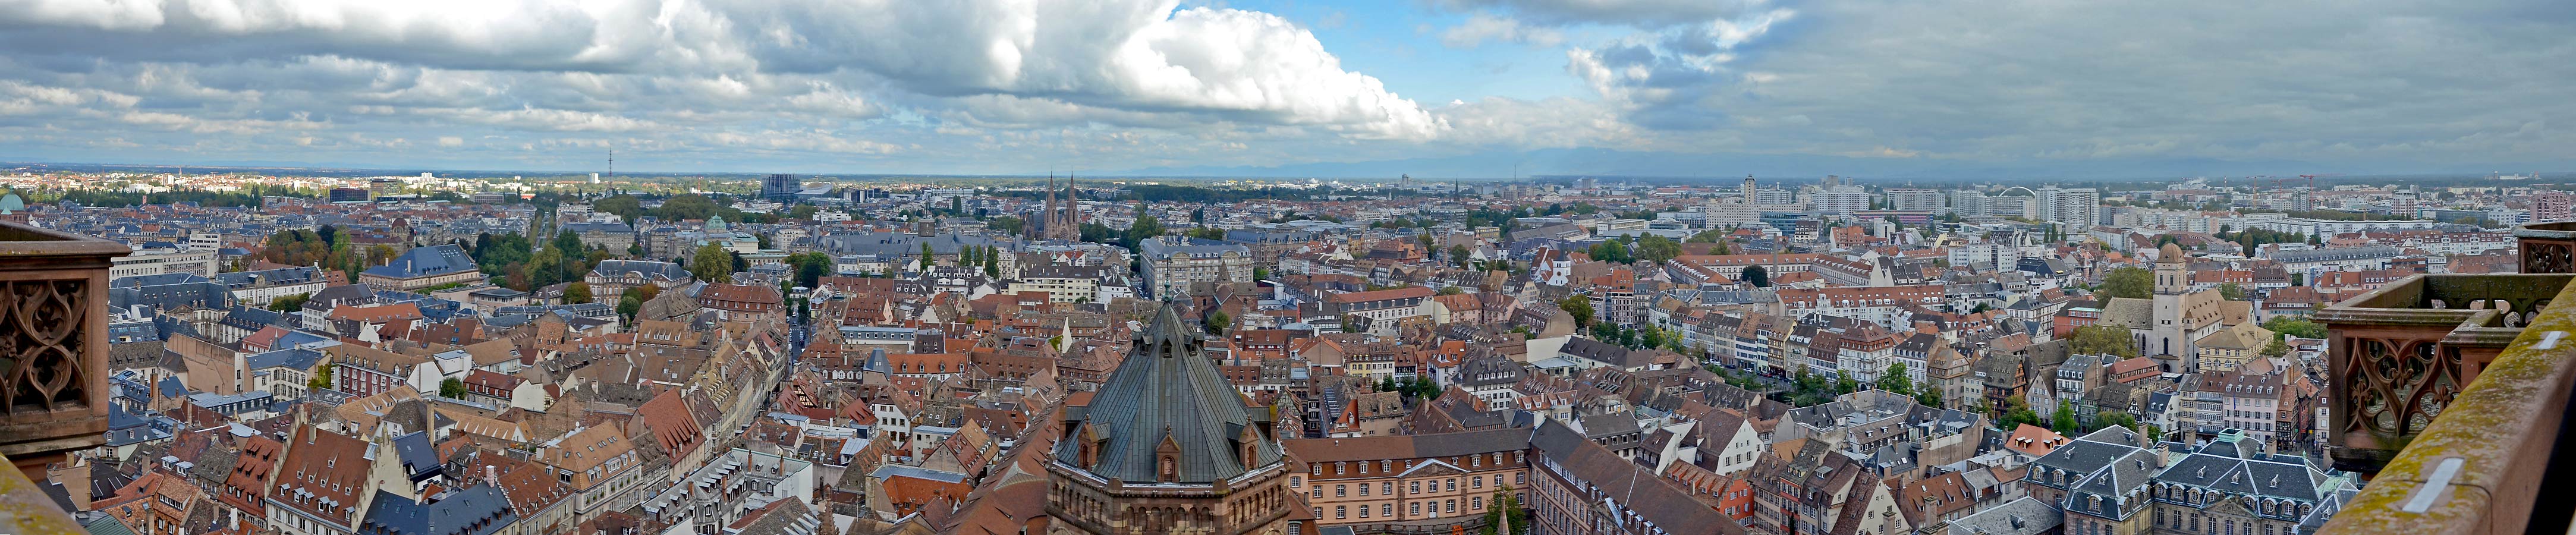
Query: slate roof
x=270, y=277
x=416, y=454
x=1603, y=352
x=301, y=359
x=1626, y=484
x=1166, y=389
x=480, y=510
x=641, y=268
x=438, y=259
x=2237, y=466
x=2022, y=516
x=107, y=525
x=2333, y=254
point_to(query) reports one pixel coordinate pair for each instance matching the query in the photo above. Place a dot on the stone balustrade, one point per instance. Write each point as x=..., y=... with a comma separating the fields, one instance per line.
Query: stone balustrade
x=2484, y=459
x=53, y=344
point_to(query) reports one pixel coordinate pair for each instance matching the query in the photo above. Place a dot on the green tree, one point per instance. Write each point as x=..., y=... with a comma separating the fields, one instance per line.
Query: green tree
x=497, y=254
x=1611, y=251
x=1756, y=276
x=322, y=377
x=686, y=207
x=1458, y=255
x=1216, y=324
x=712, y=263
x=811, y=267
x=2128, y=282
x=1895, y=380
x=1578, y=307
x=1648, y=337
x=1931, y=397
x=1426, y=388
x=2230, y=291
x=567, y=240
x=1205, y=233
x=2065, y=419
x=2295, y=326
x=628, y=304
x=2103, y=340
x=2109, y=419
x=578, y=292
x=1145, y=227
x=290, y=303
x=1657, y=249
x=2276, y=349
x=1846, y=385
x=1006, y=224
x=544, y=269
x=1707, y=236
x=625, y=206
x=451, y=389
x=927, y=257
x=2017, y=412
x=803, y=211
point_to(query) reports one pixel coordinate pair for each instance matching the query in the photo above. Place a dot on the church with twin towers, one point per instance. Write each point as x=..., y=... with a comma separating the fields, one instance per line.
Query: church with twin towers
x=1059, y=219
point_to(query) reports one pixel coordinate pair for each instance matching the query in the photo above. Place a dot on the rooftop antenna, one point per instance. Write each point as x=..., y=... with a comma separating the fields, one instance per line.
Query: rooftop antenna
x=612, y=162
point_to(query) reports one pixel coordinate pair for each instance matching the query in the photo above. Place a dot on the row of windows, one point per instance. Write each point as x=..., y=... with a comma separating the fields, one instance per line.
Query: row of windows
x=1415, y=508
x=1388, y=466
x=1415, y=487
x=2215, y=526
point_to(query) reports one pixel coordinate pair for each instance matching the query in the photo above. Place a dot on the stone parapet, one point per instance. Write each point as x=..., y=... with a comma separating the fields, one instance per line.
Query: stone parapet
x=53, y=344
x=2481, y=465
x=2397, y=356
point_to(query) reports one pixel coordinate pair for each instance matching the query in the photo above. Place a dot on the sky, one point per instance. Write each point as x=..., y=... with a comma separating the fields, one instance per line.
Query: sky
x=1432, y=88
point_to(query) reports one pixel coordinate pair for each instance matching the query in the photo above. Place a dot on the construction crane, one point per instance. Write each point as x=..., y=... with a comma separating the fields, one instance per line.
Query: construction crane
x=2312, y=179
x=2253, y=189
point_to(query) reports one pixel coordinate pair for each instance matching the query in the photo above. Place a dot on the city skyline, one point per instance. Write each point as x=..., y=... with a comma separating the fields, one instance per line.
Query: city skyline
x=1445, y=88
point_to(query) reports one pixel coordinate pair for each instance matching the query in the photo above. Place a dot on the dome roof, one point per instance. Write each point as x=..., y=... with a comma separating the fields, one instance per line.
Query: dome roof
x=2170, y=253
x=11, y=203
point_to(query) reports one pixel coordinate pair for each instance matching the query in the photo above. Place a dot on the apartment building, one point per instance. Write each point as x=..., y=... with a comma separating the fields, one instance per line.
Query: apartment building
x=1173, y=264
x=1416, y=479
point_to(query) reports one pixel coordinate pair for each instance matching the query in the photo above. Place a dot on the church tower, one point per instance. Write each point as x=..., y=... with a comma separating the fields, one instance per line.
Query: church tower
x=1167, y=446
x=1035, y=228
x=1067, y=223
x=2173, y=279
